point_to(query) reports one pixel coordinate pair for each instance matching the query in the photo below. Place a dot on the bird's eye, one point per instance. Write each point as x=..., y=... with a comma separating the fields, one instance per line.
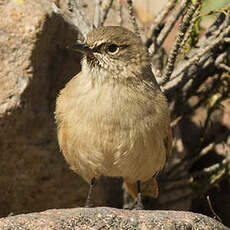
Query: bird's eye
x=113, y=48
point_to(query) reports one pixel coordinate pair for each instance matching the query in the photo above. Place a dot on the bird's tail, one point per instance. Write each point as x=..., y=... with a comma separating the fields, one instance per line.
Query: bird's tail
x=148, y=188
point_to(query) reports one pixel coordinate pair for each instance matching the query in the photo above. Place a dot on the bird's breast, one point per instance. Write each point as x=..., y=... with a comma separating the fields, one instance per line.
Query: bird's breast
x=111, y=130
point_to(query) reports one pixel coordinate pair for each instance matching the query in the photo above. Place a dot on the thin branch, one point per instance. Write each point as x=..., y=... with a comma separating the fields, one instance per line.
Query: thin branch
x=160, y=18
x=78, y=16
x=222, y=10
x=132, y=18
x=203, y=98
x=106, y=11
x=178, y=75
x=191, y=27
x=97, y=13
x=221, y=57
x=218, y=25
x=176, y=121
x=212, y=210
x=203, y=152
x=66, y=18
x=224, y=67
x=215, y=26
x=177, y=45
x=213, y=168
x=121, y=20
x=170, y=23
x=220, y=61
x=189, y=160
x=176, y=185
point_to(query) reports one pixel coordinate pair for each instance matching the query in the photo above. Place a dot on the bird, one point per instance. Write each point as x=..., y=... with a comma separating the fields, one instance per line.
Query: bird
x=112, y=118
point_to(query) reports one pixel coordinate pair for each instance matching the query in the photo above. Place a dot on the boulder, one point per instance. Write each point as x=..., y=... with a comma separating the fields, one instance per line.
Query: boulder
x=110, y=218
x=34, y=66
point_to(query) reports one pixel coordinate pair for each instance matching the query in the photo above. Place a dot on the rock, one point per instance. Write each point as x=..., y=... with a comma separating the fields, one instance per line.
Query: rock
x=34, y=66
x=109, y=218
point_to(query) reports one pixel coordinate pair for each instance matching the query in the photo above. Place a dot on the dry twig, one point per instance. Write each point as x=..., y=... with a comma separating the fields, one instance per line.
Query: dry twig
x=213, y=168
x=76, y=17
x=121, y=20
x=170, y=24
x=132, y=17
x=177, y=45
x=159, y=19
x=212, y=210
x=97, y=13
x=65, y=17
x=220, y=61
x=191, y=27
x=178, y=73
x=106, y=11
x=79, y=18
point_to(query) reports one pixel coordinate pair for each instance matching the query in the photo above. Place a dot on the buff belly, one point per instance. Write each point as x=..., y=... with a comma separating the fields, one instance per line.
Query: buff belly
x=106, y=132
x=130, y=154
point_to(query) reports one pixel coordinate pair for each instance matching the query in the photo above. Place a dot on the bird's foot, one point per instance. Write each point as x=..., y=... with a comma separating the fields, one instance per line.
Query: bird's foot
x=134, y=205
x=88, y=205
x=138, y=205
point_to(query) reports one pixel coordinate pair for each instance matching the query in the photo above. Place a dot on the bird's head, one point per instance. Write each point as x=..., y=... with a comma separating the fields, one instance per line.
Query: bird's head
x=115, y=50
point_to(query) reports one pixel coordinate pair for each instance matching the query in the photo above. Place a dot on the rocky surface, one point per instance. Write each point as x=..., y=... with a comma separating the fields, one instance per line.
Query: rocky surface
x=108, y=218
x=34, y=65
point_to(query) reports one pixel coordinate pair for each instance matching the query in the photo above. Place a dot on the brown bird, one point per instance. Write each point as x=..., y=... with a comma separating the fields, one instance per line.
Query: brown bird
x=112, y=118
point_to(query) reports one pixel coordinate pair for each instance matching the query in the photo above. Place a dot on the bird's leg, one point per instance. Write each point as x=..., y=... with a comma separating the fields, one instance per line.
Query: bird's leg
x=88, y=200
x=139, y=205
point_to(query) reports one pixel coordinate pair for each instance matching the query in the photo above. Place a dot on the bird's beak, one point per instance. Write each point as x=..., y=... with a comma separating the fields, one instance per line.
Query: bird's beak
x=81, y=47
